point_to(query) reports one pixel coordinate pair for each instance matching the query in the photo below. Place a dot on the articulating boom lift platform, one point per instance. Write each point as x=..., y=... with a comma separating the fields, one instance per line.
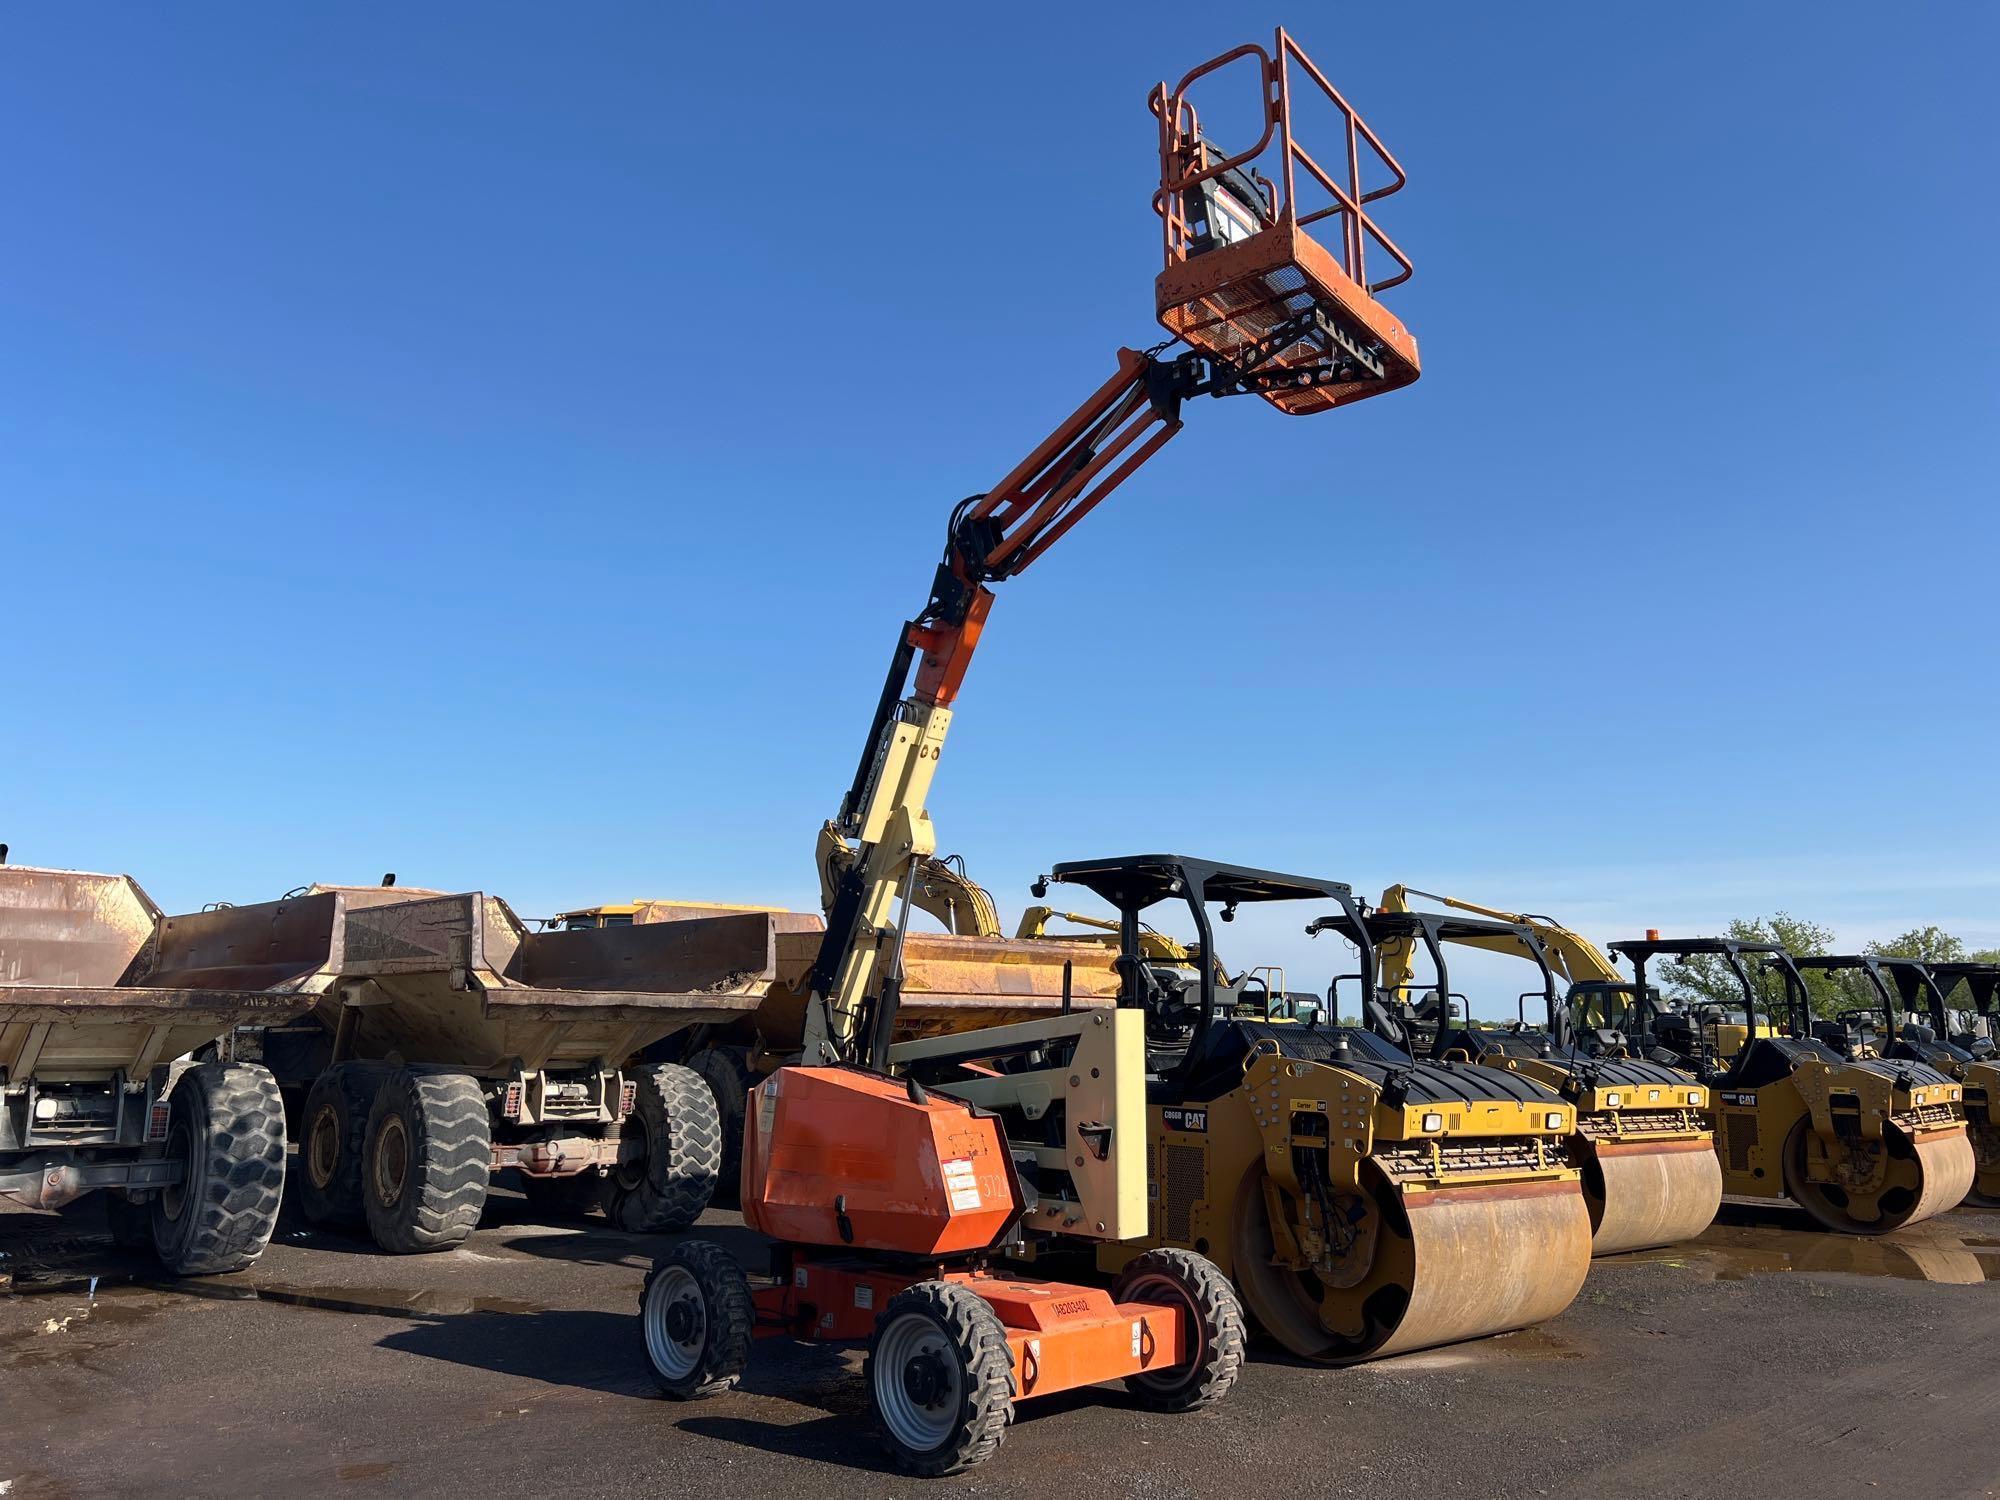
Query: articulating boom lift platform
x=893, y=1175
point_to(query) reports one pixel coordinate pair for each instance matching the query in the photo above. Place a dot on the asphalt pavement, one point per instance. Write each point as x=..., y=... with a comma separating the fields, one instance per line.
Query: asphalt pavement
x=1763, y=1360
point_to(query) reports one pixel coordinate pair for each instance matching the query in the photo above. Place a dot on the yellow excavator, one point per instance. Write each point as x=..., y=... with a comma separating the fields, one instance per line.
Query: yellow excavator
x=1365, y=1202
x=1650, y=1173
x=1864, y=1145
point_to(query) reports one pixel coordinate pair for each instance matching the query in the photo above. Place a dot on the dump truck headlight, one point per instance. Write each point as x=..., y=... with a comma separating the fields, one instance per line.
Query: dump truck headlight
x=1433, y=1122
x=1694, y=1096
x=1612, y=1101
x=1553, y=1120
x=1652, y=1096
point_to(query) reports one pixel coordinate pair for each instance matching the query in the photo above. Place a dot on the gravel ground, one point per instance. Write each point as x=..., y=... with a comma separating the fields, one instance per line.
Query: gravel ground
x=1763, y=1360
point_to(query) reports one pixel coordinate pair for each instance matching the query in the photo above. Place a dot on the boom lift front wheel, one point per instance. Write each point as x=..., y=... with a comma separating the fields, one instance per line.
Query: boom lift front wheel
x=940, y=1378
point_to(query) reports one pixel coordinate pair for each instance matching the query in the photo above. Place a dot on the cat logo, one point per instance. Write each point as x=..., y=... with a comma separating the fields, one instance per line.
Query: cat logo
x=1742, y=1101
x=1189, y=1121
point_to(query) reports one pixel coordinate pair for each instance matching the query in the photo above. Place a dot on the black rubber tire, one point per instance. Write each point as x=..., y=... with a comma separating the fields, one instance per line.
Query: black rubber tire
x=564, y=1197
x=227, y=1124
x=131, y=1223
x=727, y=1072
x=428, y=1156
x=976, y=1342
x=333, y=1128
x=727, y=1320
x=667, y=1190
x=1217, y=1317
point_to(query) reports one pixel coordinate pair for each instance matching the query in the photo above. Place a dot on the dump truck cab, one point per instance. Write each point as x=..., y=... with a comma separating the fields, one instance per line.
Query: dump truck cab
x=1365, y=1201
x=1865, y=1146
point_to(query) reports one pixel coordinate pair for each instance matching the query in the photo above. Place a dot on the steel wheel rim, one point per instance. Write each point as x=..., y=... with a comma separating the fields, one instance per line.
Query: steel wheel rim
x=1164, y=1290
x=180, y=1147
x=919, y=1384
x=676, y=1320
x=631, y=1175
x=392, y=1161
x=323, y=1146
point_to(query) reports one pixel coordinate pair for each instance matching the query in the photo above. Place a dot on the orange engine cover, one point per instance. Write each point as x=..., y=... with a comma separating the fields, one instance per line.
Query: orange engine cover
x=920, y=1179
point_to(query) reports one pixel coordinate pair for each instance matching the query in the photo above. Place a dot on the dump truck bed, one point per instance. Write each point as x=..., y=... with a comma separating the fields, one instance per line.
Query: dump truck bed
x=86, y=987
x=953, y=983
x=459, y=980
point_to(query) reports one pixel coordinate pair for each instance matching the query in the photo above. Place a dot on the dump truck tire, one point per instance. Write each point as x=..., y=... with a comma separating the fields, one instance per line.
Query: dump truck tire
x=429, y=1154
x=940, y=1378
x=564, y=1197
x=333, y=1128
x=226, y=1123
x=1215, y=1317
x=727, y=1072
x=667, y=1190
x=697, y=1320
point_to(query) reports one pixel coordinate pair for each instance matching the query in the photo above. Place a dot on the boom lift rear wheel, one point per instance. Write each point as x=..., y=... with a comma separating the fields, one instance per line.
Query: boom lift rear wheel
x=1214, y=1315
x=697, y=1317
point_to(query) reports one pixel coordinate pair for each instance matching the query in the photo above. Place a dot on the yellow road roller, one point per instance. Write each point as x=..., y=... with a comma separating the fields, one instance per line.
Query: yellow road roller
x=1864, y=1145
x=1365, y=1202
x=1650, y=1175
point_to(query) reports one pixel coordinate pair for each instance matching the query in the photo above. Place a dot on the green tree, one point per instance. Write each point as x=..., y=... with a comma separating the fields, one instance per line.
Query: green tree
x=1705, y=978
x=1931, y=944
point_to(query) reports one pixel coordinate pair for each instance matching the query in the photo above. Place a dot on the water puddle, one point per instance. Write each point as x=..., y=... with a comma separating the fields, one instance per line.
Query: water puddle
x=95, y=1312
x=1737, y=1252
x=379, y=1302
x=1538, y=1343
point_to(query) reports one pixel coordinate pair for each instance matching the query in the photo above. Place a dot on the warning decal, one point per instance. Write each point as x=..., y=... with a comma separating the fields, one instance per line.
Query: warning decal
x=963, y=1185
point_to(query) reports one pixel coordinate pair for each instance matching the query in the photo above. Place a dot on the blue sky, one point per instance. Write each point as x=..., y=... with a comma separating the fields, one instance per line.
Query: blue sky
x=498, y=443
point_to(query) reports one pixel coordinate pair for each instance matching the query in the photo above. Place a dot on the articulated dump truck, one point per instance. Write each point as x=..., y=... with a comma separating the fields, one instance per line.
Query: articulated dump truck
x=102, y=1001
x=440, y=1040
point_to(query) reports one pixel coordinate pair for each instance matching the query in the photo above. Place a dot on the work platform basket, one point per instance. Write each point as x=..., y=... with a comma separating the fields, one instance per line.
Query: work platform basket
x=1244, y=281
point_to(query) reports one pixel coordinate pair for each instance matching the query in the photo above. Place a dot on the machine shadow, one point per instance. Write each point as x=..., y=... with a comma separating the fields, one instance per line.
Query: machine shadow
x=848, y=1438
x=602, y=1351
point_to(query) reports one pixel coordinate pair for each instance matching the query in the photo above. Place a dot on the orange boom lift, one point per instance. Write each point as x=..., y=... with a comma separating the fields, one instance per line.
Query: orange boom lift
x=892, y=1177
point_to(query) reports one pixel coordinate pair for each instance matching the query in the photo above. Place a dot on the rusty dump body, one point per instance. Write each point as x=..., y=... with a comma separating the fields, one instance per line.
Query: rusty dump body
x=951, y=982
x=459, y=981
x=954, y=983
x=95, y=983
